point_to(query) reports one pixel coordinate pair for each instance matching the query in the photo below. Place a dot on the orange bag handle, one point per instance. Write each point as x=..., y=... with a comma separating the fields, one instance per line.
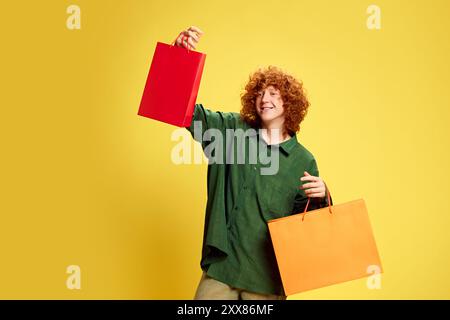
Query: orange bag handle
x=307, y=204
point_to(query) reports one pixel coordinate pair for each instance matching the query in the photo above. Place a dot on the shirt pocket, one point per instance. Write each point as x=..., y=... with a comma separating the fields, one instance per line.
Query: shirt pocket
x=278, y=203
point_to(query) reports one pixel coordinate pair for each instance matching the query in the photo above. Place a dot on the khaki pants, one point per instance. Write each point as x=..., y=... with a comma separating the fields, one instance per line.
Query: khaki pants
x=211, y=289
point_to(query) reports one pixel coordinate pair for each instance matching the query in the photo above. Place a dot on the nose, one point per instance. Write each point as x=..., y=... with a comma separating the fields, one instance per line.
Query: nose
x=266, y=96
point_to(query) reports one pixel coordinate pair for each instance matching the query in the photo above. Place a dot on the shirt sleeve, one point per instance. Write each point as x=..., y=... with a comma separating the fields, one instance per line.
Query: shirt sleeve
x=204, y=119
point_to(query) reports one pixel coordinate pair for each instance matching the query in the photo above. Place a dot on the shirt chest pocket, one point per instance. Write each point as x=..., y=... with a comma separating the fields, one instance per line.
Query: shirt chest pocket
x=278, y=202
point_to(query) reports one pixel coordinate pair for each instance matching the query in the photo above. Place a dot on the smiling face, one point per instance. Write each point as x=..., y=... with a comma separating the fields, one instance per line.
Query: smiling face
x=269, y=107
x=291, y=104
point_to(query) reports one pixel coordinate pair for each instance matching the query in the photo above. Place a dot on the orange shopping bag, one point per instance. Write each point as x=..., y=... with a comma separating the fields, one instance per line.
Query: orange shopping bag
x=323, y=247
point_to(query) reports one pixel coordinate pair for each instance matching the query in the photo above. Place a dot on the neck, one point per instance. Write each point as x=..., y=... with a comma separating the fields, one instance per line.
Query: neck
x=274, y=134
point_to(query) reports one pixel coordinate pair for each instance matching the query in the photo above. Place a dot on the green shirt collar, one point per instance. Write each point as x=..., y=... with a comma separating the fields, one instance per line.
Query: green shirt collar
x=286, y=146
x=289, y=144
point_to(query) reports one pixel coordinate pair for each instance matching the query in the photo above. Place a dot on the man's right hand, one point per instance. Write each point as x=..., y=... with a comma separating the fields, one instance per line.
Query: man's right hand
x=189, y=38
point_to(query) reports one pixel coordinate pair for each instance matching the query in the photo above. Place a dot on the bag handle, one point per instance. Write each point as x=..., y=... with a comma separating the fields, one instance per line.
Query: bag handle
x=182, y=40
x=329, y=203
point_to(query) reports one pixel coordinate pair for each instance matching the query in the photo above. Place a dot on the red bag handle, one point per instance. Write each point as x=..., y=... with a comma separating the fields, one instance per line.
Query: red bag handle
x=182, y=40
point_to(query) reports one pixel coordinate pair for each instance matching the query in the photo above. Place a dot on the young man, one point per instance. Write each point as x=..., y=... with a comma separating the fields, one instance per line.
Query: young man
x=238, y=260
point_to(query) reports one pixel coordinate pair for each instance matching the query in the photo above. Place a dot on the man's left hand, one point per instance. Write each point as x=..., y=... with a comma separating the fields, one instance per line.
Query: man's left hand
x=316, y=188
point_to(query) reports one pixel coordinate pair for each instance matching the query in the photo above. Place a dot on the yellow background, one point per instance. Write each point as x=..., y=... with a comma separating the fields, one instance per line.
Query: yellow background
x=85, y=181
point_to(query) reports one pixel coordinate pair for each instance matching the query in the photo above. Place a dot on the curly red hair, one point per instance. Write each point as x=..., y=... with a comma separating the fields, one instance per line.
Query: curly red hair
x=294, y=98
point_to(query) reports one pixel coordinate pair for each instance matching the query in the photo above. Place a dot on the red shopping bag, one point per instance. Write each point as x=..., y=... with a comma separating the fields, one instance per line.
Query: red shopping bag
x=172, y=85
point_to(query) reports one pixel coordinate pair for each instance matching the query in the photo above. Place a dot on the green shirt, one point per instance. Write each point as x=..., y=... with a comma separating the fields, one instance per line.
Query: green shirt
x=237, y=249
